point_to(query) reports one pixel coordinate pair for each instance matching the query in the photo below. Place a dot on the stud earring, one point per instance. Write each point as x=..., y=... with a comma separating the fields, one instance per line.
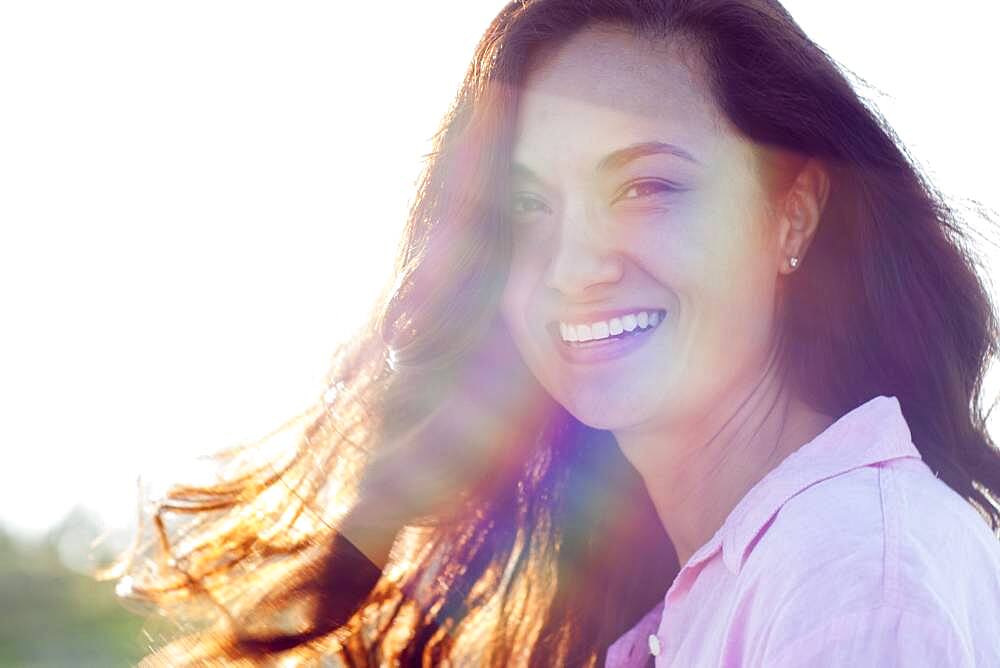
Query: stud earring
x=794, y=261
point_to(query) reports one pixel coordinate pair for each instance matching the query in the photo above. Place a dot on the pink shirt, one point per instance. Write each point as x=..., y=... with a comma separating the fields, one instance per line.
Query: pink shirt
x=851, y=552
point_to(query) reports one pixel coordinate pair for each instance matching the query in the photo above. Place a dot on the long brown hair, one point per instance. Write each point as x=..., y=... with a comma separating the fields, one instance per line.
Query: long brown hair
x=515, y=524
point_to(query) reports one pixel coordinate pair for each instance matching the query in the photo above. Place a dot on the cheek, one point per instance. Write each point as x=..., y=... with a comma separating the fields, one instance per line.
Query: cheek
x=523, y=279
x=711, y=256
x=671, y=251
x=732, y=299
x=515, y=304
x=508, y=307
x=710, y=244
x=516, y=312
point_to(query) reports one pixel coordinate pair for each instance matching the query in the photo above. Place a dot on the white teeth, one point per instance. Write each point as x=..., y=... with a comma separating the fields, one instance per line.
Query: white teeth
x=597, y=331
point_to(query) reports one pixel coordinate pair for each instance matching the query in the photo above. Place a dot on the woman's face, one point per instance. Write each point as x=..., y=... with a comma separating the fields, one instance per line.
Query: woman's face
x=640, y=223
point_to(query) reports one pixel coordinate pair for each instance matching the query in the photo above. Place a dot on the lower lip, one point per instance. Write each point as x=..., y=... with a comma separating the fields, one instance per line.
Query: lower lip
x=607, y=349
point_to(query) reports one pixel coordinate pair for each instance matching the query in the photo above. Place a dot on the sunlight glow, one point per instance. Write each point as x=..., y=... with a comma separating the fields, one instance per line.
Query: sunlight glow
x=199, y=199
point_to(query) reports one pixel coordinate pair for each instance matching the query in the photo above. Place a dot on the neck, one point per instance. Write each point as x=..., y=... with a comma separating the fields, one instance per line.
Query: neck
x=697, y=473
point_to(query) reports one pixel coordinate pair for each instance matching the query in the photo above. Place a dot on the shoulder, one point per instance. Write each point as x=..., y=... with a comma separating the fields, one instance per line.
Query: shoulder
x=891, y=524
x=874, y=558
x=882, y=635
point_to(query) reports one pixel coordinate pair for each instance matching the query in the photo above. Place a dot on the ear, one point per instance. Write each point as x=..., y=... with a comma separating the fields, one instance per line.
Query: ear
x=800, y=211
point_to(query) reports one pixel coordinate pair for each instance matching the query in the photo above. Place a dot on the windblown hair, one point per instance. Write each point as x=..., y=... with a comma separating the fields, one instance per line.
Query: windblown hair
x=513, y=519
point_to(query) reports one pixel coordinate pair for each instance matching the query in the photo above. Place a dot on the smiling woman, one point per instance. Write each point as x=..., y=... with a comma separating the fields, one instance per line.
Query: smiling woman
x=683, y=238
x=682, y=365
x=630, y=222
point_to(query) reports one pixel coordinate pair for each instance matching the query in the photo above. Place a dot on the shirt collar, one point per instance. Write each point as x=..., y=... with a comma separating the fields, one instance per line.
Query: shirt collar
x=871, y=433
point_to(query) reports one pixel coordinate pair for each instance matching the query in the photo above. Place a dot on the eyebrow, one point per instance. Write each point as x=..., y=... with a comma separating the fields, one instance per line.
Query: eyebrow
x=621, y=157
x=519, y=171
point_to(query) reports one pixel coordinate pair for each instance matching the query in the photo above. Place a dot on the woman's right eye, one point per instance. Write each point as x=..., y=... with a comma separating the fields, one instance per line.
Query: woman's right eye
x=524, y=205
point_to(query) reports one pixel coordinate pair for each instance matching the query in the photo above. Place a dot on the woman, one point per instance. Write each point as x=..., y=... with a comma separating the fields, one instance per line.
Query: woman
x=682, y=365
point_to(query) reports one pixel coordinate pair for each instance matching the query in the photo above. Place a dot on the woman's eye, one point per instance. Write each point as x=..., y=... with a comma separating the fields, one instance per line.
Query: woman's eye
x=647, y=188
x=523, y=204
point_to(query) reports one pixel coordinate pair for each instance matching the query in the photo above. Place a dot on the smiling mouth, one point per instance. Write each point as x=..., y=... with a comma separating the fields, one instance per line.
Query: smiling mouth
x=604, y=332
x=604, y=346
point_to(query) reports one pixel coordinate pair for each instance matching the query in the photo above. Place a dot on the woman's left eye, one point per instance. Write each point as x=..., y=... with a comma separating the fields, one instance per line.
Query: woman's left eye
x=646, y=188
x=523, y=204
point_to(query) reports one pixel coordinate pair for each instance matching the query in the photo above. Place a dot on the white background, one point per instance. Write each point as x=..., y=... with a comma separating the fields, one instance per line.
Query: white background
x=198, y=199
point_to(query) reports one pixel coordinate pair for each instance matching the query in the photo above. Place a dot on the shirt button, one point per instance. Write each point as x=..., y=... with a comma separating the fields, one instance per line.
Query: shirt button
x=654, y=645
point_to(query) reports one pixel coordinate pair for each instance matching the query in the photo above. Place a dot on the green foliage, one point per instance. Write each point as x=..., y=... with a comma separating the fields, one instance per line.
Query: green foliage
x=54, y=616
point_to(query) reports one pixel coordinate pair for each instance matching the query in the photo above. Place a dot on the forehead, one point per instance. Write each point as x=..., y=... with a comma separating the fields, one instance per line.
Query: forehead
x=609, y=85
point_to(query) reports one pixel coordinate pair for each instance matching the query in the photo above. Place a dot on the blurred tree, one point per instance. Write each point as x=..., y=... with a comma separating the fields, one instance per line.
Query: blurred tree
x=54, y=614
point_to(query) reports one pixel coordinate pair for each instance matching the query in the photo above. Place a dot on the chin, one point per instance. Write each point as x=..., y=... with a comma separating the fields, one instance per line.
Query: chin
x=603, y=411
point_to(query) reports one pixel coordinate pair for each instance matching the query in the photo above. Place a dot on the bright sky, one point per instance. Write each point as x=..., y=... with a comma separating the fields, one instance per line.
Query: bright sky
x=198, y=198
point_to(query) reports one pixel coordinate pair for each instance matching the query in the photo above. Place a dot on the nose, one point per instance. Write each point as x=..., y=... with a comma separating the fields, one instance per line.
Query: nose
x=583, y=257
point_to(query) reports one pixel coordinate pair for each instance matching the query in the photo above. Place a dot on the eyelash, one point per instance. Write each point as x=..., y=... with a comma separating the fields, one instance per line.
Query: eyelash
x=524, y=197
x=663, y=186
